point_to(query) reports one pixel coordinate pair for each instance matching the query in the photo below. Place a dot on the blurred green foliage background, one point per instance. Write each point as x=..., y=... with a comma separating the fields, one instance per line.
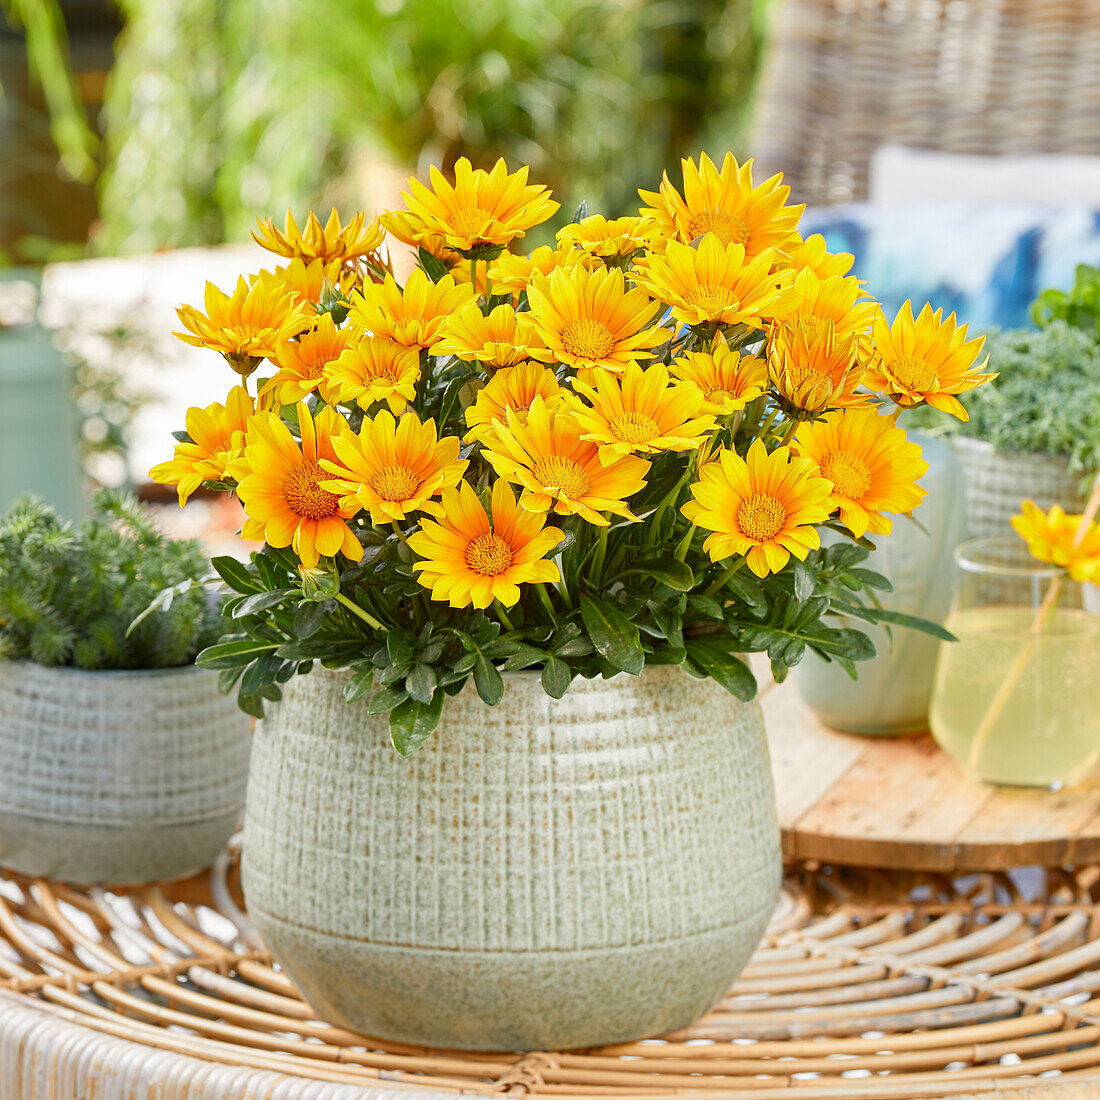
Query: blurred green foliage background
x=216, y=110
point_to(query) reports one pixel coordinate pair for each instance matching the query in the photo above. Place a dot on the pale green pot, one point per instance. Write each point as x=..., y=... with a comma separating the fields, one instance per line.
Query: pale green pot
x=541, y=874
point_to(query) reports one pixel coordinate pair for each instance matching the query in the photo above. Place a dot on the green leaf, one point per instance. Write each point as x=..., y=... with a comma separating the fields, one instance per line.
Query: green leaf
x=260, y=672
x=319, y=649
x=804, y=581
x=412, y=723
x=556, y=678
x=668, y=571
x=524, y=657
x=236, y=575
x=309, y=618
x=615, y=637
x=234, y=653
x=262, y=601
x=723, y=667
x=420, y=683
x=163, y=601
x=488, y=680
x=251, y=704
x=433, y=266
x=386, y=698
x=913, y=622
x=358, y=685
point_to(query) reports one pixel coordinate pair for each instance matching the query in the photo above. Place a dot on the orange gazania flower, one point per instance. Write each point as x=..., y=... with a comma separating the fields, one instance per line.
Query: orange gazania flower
x=589, y=319
x=216, y=438
x=375, y=369
x=512, y=388
x=727, y=380
x=329, y=242
x=280, y=487
x=871, y=462
x=764, y=506
x=839, y=299
x=927, y=360
x=726, y=204
x=482, y=211
x=249, y=325
x=302, y=362
x=413, y=315
x=613, y=241
x=545, y=455
x=715, y=284
x=307, y=282
x=812, y=253
x=814, y=368
x=468, y=558
x=640, y=412
x=392, y=467
x=499, y=340
x=1059, y=539
x=512, y=273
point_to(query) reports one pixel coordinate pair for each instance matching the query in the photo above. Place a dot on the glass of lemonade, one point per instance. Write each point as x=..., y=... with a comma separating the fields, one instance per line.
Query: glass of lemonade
x=1017, y=697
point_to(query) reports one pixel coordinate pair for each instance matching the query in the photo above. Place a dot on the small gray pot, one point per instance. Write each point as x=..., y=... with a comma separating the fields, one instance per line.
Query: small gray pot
x=117, y=777
x=543, y=874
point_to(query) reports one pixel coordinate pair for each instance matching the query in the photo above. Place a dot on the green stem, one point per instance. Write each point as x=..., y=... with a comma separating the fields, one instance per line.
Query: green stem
x=601, y=553
x=355, y=609
x=544, y=599
x=724, y=576
x=685, y=542
x=503, y=616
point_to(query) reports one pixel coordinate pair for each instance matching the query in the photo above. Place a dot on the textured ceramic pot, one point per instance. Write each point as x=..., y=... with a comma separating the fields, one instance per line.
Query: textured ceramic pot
x=894, y=688
x=117, y=777
x=541, y=874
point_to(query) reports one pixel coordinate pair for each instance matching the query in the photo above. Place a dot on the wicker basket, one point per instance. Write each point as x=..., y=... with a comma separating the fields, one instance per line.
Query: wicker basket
x=117, y=776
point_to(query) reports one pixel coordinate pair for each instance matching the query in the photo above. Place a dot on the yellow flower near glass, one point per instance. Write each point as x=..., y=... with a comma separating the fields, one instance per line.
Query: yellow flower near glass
x=1017, y=699
x=582, y=459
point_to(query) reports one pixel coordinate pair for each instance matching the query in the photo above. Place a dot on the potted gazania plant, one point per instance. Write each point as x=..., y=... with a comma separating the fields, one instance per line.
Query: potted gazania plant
x=123, y=762
x=524, y=526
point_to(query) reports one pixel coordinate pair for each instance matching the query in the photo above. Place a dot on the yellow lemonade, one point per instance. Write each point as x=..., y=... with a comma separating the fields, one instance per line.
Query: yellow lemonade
x=1047, y=731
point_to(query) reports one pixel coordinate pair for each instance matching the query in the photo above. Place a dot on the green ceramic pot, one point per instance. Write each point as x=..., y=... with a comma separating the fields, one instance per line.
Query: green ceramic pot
x=542, y=874
x=892, y=693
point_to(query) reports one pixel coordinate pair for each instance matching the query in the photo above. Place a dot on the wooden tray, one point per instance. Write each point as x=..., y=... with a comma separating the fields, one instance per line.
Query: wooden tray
x=904, y=803
x=868, y=986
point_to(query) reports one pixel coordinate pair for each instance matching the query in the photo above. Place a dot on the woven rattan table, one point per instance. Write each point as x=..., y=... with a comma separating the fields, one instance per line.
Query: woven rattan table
x=868, y=984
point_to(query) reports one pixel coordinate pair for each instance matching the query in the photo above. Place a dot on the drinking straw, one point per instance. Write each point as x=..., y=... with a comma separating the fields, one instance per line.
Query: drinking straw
x=1046, y=611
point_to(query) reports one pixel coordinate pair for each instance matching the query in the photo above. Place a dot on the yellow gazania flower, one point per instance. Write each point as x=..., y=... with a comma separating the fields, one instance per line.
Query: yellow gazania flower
x=280, y=487
x=557, y=469
x=470, y=559
x=413, y=315
x=307, y=281
x=839, y=299
x=872, y=464
x=615, y=240
x=763, y=506
x=640, y=411
x=482, y=211
x=375, y=369
x=813, y=254
x=217, y=436
x=510, y=273
x=499, y=340
x=716, y=284
x=927, y=360
x=302, y=362
x=512, y=388
x=726, y=203
x=392, y=467
x=814, y=368
x=589, y=319
x=248, y=326
x=727, y=380
x=1056, y=538
x=326, y=243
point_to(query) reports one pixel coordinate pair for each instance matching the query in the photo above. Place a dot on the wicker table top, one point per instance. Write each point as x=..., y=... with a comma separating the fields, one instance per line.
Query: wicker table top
x=867, y=985
x=901, y=802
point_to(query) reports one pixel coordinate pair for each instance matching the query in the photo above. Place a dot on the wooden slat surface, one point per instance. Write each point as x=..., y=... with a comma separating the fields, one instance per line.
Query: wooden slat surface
x=903, y=803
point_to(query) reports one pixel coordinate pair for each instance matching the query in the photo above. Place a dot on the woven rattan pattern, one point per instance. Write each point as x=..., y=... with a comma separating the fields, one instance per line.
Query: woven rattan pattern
x=963, y=76
x=867, y=985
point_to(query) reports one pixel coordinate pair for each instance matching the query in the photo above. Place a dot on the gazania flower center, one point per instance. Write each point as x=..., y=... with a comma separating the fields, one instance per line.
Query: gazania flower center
x=720, y=395
x=850, y=474
x=488, y=555
x=913, y=374
x=634, y=427
x=563, y=474
x=314, y=367
x=727, y=227
x=384, y=372
x=761, y=517
x=469, y=221
x=395, y=482
x=710, y=299
x=586, y=338
x=304, y=496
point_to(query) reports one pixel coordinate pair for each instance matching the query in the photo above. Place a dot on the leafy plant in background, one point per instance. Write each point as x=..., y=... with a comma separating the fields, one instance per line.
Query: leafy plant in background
x=1046, y=399
x=1079, y=306
x=216, y=108
x=70, y=595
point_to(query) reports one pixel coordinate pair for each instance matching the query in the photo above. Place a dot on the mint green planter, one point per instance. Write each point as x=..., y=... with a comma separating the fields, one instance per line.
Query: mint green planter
x=38, y=424
x=543, y=874
x=892, y=693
